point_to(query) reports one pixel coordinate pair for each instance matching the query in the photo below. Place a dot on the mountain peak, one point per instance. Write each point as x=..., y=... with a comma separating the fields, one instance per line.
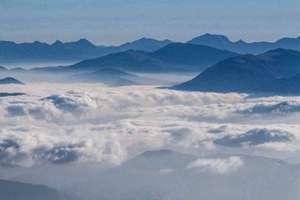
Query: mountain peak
x=57, y=43
x=214, y=35
x=10, y=80
x=39, y=43
x=145, y=44
x=84, y=41
x=144, y=39
x=241, y=42
x=217, y=41
x=210, y=38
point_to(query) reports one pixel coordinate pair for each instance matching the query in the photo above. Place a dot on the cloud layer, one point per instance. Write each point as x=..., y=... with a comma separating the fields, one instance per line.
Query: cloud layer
x=68, y=123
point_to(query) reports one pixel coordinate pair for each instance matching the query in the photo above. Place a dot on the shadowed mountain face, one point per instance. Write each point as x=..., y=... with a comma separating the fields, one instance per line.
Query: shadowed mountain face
x=222, y=42
x=20, y=191
x=173, y=57
x=11, y=52
x=191, y=57
x=10, y=80
x=129, y=60
x=274, y=71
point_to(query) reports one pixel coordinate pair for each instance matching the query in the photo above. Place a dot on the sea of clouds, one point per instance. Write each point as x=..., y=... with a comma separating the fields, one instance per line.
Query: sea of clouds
x=93, y=123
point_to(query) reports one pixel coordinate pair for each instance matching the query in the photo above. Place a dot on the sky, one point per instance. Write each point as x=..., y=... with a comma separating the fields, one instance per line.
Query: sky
x=116, y=21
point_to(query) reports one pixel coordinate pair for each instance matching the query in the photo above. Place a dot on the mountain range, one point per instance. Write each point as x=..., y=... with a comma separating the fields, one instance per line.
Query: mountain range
x=11, y=52
x=276, y=71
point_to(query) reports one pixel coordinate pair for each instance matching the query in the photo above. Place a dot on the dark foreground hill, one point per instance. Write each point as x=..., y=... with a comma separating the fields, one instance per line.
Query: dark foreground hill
x=276, y=71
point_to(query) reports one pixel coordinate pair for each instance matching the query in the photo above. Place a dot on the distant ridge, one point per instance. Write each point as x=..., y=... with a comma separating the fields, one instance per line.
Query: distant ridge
x=68, y=51
x=222, y=42
x=11, y=52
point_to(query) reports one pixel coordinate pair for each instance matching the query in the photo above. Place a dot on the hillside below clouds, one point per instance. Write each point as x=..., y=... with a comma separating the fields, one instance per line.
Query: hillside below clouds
x=275, y=71
x=166, y=174
x=10, y=190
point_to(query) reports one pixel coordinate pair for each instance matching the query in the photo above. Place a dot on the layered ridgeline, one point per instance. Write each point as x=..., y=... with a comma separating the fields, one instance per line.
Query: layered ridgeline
x=222, y=42
x=173, y=57
x=11, y=52
x=10, y=190
x=117, y=69
x=275, y=71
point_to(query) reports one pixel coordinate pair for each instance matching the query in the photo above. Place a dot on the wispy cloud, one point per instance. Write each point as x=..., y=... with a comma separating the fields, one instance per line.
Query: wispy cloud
x=217, y=165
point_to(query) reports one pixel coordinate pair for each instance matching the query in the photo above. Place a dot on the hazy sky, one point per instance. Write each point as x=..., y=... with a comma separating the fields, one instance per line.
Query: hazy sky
x=116, y=21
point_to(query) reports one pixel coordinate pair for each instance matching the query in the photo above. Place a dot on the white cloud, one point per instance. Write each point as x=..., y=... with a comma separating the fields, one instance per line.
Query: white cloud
x=217, y=165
